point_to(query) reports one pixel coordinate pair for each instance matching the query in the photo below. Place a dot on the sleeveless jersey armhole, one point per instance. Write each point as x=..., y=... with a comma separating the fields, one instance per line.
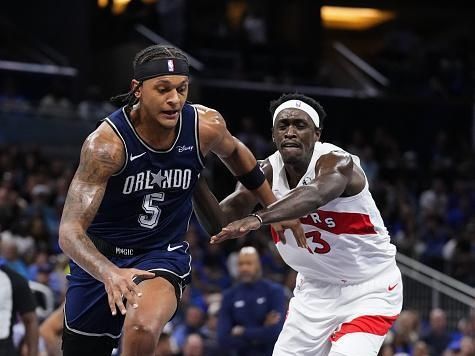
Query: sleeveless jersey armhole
x=114, y=128
x=200, y=155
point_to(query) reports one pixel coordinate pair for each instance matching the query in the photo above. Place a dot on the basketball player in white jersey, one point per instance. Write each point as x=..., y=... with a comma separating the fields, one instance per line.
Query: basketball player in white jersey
x=348, y=291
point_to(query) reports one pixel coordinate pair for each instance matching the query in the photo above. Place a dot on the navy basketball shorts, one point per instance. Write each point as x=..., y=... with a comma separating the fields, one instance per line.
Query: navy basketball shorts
x=87, y=310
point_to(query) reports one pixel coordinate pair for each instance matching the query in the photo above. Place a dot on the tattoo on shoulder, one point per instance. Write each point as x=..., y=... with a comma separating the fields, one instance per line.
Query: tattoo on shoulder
x=99, y=159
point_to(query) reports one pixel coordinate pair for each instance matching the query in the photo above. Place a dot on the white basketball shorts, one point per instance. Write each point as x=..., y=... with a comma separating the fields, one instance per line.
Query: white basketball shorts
x=333, y=320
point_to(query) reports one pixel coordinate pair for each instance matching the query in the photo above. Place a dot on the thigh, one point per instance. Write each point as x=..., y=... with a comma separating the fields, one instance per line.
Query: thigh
x=79, y=345
x=366, y=312
x=303, y=334
x=357, y=344
x=86, y=307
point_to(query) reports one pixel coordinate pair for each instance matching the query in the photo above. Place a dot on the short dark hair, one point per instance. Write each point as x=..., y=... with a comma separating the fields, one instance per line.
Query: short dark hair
x=274, y=104
x=146, y=55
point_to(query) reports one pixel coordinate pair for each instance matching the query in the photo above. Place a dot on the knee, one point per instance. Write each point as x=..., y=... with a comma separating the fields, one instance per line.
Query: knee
x=141, y=336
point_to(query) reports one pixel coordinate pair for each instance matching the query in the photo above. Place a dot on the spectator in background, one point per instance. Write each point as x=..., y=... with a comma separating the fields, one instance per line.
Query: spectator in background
x=420, y=349
x=194, y=345
x=250, y=136
x=210, y=329
x=437, y=337
x=16, y=297
x=56, y=103
x=463, y=347
x=433, y=235
x=459, y=252
x=369, y=164
x=165, y=346
x=11, y=257
x=433, y=201
x=252, y=312
x=194, y=321
x=94, y=107
x=10, y=98
x=405, y=333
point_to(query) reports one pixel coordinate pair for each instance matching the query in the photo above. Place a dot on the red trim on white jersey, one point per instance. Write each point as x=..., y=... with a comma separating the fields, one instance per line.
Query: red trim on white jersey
x=370, y=324
x=339, y=223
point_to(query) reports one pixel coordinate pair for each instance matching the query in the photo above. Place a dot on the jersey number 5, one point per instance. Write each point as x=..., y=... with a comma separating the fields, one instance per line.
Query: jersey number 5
x=152, y=212
x=317, y=238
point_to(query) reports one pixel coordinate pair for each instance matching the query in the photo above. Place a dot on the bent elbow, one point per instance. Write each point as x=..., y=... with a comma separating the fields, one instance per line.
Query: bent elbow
x=64, y=236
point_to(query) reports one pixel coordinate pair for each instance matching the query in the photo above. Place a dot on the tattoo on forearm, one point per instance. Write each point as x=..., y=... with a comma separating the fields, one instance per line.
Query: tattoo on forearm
x=84, y=198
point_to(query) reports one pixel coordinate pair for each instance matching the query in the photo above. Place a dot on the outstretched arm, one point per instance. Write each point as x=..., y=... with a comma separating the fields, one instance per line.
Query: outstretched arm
x=101, y=156
x=214, y=137
x=333, y=174
x=212, y=215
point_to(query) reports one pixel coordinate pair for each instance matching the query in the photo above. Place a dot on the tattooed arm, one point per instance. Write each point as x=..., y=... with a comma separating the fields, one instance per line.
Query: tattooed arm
x=101, y=156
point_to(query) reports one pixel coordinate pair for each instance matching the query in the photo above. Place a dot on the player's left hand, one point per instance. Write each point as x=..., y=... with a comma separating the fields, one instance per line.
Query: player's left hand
x=236, y=229
x=242, y=227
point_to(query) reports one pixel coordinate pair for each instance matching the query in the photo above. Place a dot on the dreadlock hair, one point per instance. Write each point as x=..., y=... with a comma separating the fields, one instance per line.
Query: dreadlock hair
x=274, y=104
x=146, y=55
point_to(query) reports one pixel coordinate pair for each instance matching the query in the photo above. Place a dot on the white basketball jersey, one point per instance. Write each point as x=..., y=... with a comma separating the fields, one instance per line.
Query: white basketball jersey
x=347, y=237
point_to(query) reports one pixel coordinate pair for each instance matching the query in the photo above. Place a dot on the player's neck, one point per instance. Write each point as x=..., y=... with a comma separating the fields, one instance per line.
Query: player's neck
x=294, y=173
x=150, y=131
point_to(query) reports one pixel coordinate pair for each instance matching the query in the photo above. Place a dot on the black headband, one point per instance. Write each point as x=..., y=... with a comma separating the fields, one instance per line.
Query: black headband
x=158, y=67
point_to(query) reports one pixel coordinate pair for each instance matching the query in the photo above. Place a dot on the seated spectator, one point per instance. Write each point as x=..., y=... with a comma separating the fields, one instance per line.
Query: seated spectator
x=194, y=345
x=11, y=100
x=420, y=349
x=437, y=337
x=94, y=107
x=56, y=103
x=404, y=334
x=252, y=312
x=10, y=254
x=166, y=345
x=463, y=347
x=194, y=320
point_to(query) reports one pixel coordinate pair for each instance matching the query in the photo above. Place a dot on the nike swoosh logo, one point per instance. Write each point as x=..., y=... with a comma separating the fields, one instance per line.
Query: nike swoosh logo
x=390, y=288
x=135, y=157
x=169, y=248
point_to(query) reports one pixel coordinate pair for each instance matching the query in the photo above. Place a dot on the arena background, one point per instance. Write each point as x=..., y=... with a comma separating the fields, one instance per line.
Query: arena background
x=395, y=77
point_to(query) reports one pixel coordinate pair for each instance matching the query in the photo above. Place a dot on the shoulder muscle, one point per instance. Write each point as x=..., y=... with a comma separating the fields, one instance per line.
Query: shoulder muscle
x=212, y=127
x=333, y=162
x=102, y=155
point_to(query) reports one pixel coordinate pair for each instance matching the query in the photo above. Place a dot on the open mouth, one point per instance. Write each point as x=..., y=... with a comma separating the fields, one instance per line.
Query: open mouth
x=170, y=114
x=290, y=145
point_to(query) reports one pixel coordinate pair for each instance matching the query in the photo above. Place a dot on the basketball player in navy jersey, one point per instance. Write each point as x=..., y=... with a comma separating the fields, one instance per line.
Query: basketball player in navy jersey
x=129, y=206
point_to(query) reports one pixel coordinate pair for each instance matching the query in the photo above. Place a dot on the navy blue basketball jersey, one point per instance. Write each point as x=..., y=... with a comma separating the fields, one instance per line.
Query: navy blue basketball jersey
x=147, y=204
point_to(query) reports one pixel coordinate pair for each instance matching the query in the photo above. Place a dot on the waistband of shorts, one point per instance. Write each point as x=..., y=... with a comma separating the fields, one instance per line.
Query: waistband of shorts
x=391, y=268
x=110, y=250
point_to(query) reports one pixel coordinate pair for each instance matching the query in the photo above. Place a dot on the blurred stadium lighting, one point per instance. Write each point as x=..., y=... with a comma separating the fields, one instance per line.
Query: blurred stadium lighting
x=353, y=18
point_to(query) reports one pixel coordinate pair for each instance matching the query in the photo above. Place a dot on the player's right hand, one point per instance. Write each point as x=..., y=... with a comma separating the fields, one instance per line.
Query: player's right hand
x=296, y=228
x=119, y=284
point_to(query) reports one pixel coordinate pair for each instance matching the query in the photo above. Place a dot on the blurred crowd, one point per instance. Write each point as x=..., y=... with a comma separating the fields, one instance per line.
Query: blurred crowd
x=54, y=101
x=426, y=196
